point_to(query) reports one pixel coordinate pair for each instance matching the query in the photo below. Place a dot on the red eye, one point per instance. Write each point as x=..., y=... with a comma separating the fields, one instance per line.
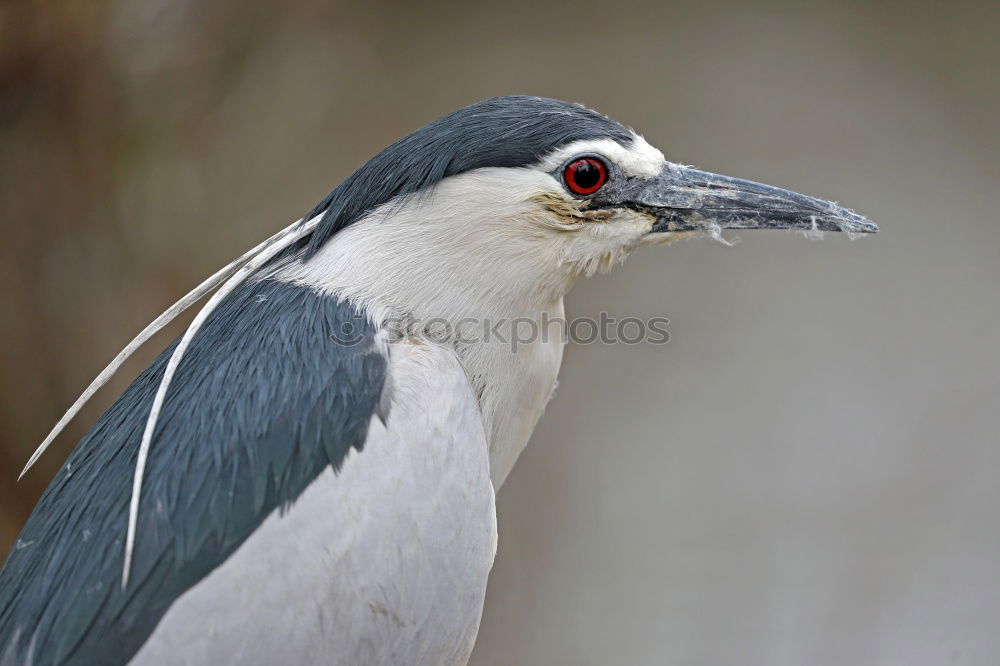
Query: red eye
x=585, y=175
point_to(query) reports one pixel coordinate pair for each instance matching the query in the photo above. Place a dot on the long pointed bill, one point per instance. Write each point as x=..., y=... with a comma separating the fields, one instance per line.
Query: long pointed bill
x=684, y=199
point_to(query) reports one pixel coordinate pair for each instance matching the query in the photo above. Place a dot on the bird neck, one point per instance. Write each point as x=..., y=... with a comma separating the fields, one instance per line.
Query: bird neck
x=507, y=333
x=514, y=376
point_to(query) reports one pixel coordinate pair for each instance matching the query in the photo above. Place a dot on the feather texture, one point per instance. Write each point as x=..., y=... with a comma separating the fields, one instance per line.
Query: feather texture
x=383, y=563
x=512, y=131
x=152, y=329
x=267, y=397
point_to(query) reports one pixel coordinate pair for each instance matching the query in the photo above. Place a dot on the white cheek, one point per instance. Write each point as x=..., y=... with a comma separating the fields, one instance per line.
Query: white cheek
x=624, y=226
x=598, y=246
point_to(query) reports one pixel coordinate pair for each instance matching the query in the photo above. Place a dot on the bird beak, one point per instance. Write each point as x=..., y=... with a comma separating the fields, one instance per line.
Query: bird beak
x=685, y=199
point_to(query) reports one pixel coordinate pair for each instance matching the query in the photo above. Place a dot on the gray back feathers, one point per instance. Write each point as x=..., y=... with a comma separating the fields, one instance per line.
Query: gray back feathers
x=269, y=395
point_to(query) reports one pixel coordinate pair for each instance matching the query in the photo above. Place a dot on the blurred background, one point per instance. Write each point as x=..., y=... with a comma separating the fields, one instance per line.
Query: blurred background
x=806, y=474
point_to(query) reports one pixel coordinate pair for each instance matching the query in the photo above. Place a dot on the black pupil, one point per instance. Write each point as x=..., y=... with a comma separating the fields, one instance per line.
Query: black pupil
x=586, y=175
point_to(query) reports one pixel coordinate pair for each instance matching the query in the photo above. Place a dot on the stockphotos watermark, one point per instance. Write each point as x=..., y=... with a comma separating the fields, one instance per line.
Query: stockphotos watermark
x=518, y=332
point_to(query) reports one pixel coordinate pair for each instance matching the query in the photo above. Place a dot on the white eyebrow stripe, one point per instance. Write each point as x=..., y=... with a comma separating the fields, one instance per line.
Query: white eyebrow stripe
x=639, y=159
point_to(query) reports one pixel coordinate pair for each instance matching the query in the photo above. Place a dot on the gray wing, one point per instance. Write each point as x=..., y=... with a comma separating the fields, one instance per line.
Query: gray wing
x=279, y=384
x=384, y=562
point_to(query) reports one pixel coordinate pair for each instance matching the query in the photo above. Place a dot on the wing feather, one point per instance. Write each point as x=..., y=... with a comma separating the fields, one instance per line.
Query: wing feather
x=267, y=396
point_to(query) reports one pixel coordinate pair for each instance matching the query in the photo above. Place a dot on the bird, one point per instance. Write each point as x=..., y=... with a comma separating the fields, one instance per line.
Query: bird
x=307, y=475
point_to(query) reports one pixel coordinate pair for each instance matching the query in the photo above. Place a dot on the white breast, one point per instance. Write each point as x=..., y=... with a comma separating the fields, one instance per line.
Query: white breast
x=385, y=562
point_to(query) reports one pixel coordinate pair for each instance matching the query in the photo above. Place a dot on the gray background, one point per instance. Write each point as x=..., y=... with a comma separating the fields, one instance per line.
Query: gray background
x=807, y=472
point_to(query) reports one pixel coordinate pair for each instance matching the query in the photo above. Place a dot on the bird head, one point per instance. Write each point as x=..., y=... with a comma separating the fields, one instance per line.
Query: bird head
x=489, y=213
x=499, y=207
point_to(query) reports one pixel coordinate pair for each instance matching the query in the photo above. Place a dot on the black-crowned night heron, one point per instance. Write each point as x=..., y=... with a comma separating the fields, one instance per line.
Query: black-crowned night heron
x=297, y=481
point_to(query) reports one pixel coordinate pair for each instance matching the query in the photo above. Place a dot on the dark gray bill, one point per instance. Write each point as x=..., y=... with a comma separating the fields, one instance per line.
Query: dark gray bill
x=684, y=199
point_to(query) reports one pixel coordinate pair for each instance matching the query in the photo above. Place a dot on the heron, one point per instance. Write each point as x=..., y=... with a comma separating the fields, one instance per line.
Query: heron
x=298, y=478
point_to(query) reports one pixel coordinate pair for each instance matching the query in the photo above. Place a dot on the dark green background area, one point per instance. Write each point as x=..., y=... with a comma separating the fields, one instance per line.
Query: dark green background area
x=807, y=472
